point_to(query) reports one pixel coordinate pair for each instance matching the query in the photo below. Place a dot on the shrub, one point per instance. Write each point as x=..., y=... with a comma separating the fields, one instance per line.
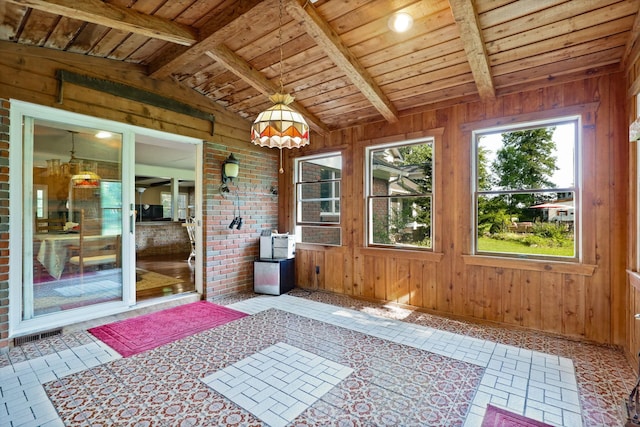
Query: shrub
x=550, y=230
x=549, y=235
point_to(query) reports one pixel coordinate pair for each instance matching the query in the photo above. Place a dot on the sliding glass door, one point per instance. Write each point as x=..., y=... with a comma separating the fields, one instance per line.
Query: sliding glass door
x=73, y=217
x=72, y=228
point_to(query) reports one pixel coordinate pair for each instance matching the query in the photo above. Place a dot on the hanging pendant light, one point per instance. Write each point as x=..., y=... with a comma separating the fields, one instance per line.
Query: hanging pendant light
x=81, y=174
x=86, y=179
x=279, y=126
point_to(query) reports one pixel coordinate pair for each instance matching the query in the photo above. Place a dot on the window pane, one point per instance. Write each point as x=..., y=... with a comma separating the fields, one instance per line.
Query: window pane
x=399, y=193
x=541, y=224
x=401, y=170
x=320, y=169
x=182, y=206
x=319, y=202
x=73, y=258
x=526, y=190
x=318, y=199
x=321, y=235
x=404, y=221
x=111, y=202
x=529, y=159
x=165, y=201
x=319, y=191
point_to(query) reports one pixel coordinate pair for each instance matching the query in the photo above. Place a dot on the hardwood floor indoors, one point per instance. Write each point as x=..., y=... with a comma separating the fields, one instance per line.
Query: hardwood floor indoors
x=174, y=266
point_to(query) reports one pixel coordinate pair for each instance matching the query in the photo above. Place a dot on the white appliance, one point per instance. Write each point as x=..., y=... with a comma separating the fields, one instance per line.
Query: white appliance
x=276, y=245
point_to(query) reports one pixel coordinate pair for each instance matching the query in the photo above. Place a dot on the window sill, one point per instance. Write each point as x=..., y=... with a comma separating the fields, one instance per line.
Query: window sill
x=530, y=264
x=315, y=246
x=405, y=253
x=634, y=279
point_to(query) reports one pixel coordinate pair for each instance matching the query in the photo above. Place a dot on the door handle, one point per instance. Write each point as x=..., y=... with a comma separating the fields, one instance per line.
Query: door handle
x=131, y=222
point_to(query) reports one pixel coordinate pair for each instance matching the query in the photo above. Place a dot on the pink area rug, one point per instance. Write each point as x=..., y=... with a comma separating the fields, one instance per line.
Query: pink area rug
x=142, y=333
x=497, y=417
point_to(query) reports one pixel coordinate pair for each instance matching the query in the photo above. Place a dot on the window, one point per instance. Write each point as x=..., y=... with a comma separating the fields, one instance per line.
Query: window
x=399, y=194
x=111, y=205
x=525, y=189
x=165, y=200
x=330, y=193
x=318, y=199
x=41, y=202
x=634, y=137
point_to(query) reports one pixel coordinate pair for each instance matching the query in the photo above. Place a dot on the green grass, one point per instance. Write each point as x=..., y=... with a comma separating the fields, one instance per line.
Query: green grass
x=486, y=244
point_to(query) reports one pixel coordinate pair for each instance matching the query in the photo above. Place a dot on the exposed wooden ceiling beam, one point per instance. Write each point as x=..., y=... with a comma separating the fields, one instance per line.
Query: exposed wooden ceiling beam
x=223, y=25
x=467, y=20
x=632, y=48
x=340, y=54
x=258, y=81
x=124, y=19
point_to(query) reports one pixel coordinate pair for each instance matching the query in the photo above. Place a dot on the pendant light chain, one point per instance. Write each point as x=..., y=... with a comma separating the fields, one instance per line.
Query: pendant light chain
x=281, y=170
x=279, y=126
x=280, y=43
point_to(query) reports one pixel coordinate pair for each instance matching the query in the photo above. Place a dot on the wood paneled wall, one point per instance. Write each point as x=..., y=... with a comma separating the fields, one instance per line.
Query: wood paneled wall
x=632, y=343
x=585, y=300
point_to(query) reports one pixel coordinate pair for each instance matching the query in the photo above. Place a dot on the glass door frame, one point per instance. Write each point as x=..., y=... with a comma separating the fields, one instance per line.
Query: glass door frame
x=23, y=112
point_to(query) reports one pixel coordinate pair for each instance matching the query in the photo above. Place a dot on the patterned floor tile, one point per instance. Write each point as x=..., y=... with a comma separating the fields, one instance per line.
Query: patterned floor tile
x=156, y=386
x=118, y=392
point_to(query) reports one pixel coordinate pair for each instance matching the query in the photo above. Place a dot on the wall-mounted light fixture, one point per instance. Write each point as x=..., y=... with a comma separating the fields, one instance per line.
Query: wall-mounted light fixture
x=230, y=168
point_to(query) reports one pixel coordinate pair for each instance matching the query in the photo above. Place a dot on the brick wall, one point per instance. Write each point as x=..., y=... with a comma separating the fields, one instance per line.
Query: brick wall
x=229, y=253
x=380, y=211
x=4, y=224
x=162, y=238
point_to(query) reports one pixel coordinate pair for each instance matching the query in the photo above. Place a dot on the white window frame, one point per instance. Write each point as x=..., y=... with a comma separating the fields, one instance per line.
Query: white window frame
x=368, y=196
x=299, y=224
x=576, y=189
x=41, y=196
x=332, y=199
x=636, y=124
x=178, y=206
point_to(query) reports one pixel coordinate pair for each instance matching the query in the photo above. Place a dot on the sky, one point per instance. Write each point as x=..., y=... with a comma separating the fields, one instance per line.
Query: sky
x=564, y=137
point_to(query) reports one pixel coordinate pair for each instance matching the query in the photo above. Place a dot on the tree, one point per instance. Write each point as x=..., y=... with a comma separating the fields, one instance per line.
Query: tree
x=525, y=162
x=420, y=155
x=416, y=209
x=526, y=159
x=484, y=177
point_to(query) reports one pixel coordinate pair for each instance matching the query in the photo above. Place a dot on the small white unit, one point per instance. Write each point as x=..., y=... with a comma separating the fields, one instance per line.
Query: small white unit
x=277, y=246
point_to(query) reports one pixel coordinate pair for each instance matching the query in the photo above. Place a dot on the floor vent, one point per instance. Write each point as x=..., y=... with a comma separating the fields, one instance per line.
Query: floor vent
x=35, y=337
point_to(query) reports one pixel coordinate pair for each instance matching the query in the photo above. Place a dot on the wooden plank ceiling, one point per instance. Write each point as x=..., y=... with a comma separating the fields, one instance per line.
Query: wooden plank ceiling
x=339, y=59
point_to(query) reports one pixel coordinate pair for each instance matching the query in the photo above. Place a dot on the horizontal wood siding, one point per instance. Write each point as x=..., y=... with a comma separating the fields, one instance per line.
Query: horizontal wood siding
x=584, y=300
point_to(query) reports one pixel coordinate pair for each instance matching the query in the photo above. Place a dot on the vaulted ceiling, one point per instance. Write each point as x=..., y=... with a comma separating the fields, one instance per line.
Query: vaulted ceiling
x=339, y=58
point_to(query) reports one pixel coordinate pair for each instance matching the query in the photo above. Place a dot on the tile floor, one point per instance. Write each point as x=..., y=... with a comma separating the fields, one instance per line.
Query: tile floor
x=356, y=363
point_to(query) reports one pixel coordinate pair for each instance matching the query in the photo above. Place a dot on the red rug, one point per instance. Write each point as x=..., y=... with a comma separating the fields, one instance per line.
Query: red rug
x=142, y=333
x=496, y=417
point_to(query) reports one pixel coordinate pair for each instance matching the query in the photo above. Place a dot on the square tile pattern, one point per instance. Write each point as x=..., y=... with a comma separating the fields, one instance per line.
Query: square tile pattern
x=538, y=385
x=278, y=383
x=389, y=384
x=407, y=368
x=23, y=401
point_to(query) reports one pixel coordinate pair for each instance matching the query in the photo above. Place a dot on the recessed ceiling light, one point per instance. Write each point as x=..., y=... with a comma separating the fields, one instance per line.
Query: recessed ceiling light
x=400, y=22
